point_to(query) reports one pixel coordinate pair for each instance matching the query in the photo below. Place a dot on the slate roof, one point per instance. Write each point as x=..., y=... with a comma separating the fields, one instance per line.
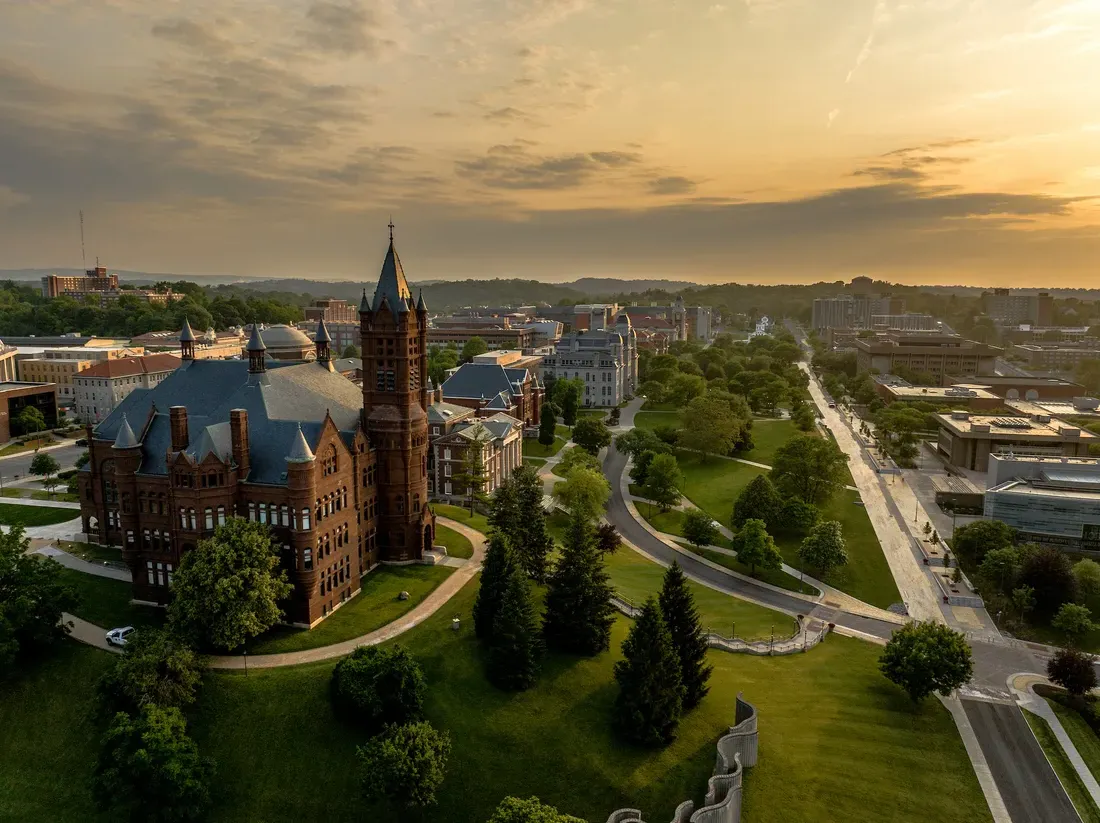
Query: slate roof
x=477, y=380
x=446, y=412
x=502, y=401
x=276, y=401
x=392, y=286
x=498, y=426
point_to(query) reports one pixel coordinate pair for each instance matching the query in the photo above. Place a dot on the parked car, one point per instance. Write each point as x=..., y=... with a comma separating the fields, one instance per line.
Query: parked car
x=83, y=441
x=118, y=637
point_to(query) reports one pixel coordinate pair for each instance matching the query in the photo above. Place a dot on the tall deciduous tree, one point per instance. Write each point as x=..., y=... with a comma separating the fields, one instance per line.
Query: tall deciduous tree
x=406, y=764
x=374, y=687
x=650, y=701
x=473, y=347
x=1073, y=671
x=927, y=657
x=757, y=501
x=499, y=561
x=1049, y=572
x=471, y=474
x=43, y=465
x=32, y=599
x=156, y=668
x=516, y=646
x=709, y=426
x=972, y=541
x=591, y=435
x=810, y=468
x=150, y=770
x=228, y=588
x=1073, y=620
x=579, y=614
x=662, y=481
x=584, y=492
x=607, y=538
x=824, y=548
x=756, y=547
x=682, y=618
x=698, y=528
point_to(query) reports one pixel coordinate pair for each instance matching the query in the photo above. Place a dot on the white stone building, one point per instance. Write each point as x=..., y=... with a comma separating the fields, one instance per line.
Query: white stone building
x=501, y=438
x=607, y=362
x=102, y=387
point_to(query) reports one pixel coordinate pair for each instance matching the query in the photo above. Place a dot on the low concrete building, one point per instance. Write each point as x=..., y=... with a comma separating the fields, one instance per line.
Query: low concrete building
x=8, y=371
x=101, y=388
x=210, y=345
x=54, y=370
x=1054, y=357
x=494, y=336
x=1050, y=501
x=1019, y=388
x=934, y=354
x=966, y=441
x=16, y=396
x=892, y=388
x=343, y=333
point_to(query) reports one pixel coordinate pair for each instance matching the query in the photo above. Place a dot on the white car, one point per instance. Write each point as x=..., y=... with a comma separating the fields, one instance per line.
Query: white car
x=117, y=637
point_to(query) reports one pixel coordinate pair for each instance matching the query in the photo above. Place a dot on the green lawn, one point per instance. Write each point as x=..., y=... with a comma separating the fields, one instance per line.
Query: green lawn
x=1068, y=776
x=30, y=445
x=767, y=437
x=1082, y=735
x=15, y=514
x=13, y=492
x=59, y=496
x=650, y=405
x=106, y=602
x=713, y=486
x=599, y=414
x=533, y=448
x=537, y=462
x=91, y=551
x=474, y=521
x=654, y=419
x=556, y=469
x=636, y=578
x=838, y=742
x=374, y=607
x=777, y=577
x=457, y=544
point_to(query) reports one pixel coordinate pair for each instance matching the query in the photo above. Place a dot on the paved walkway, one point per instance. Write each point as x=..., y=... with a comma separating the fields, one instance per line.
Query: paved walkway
x=1023, y=686
x=72, y=562
x=48, y=504
x=94, y=635
x=64, y=444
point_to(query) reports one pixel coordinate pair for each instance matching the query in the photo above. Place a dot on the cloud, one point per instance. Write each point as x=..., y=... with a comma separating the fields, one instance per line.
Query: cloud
x=514, y=167
x=833, y=115
x=672, y=185
x=344, y=28
x=10, y=198
x=878, y=16
x=914, y=162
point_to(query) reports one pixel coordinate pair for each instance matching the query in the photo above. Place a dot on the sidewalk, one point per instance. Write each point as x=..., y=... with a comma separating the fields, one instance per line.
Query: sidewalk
x=1023, y=686
x=49, y=504
x=64, y=444
x=98, y=569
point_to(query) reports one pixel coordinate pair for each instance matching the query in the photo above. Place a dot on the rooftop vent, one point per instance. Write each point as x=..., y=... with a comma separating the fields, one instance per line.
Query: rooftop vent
x=960, y=415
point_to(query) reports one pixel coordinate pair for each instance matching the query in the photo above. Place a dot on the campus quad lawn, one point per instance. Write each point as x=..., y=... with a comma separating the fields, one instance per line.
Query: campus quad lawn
x=375, y=606
x=1082, y=735
x=463, y=516
x=1059, y=761
x=457, y=544
x=767, y=435
x=713, y=486
x=536, y=462
x=777, y=577
x=635, y=578
x=598, y=414
x=835, y=735
x=106, y=602
x=655, y=419
x=15, y=514
x=91, y=551
x=533, y=448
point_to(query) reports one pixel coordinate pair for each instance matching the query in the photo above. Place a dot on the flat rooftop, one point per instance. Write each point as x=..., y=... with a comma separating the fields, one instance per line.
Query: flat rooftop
x=941, y=393
x=1025, y=488
x=1007, y=427
x=1055, y=408
x=14, y=385
x=1005, y=380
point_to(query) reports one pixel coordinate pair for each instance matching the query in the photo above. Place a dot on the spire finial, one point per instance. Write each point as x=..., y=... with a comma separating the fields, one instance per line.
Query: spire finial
x=391, y=228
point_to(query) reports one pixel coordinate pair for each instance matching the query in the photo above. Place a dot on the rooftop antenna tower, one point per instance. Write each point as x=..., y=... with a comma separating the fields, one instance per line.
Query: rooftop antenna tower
x=83, y=257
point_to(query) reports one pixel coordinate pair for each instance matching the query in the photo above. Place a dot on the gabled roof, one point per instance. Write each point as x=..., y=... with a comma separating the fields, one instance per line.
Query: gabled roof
x=502, y=401
x=447, y=412
x=392, y=289
x=495, y=428
x=473, y=381
x=278, y=401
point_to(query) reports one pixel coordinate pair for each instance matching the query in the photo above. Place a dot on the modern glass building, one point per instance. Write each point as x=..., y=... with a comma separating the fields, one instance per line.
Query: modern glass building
x=1058, y=507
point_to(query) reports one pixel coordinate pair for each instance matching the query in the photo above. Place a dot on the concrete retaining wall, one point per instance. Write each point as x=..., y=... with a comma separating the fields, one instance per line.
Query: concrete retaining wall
x=736, y=751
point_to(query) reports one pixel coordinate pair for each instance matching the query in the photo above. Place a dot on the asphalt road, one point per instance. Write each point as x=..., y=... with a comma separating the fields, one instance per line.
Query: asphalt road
x=21, y=464
x=632, y=531
x=1028, y=784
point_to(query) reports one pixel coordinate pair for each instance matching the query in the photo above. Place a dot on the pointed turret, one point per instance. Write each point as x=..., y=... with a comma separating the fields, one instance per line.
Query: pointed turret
x=322, y=343
x=300, y=452
x=257, y=351
x=364, y=304
x=126, y=438
x=393, y=288
x=187, y=341
x=421, y=307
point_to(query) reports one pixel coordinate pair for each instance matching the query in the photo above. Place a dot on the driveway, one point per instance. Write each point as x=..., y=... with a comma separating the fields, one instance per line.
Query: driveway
x=1028, y=785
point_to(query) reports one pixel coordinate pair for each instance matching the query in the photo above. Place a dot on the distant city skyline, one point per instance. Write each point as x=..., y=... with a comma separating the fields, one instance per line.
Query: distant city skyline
x=942, y=142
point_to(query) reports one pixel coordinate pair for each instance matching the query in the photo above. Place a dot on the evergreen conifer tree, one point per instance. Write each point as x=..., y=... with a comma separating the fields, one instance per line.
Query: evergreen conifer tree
x=682, y=619
x=647, y=710
x=579, y=613
x=547, y=424
x=503, y=512
x=494, y=577
x=515, y=648
x=530, y=540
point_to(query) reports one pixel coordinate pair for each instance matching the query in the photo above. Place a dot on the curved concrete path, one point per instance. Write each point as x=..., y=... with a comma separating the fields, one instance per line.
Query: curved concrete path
x=94, y=635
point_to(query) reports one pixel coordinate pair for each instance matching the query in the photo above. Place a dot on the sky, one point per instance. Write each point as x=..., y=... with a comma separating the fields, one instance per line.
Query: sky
x=918, y=141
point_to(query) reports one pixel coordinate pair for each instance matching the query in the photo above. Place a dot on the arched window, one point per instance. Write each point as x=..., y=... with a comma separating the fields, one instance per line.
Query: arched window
x=221, y=515
x=208, y=516
x=183, y=519
x=263, y=512
x=305, y=520
x=329, y=462
x=194, y=521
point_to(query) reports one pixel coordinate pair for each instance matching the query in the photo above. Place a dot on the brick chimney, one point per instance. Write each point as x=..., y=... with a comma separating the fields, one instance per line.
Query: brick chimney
x=177, y=415
x=238, y=434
